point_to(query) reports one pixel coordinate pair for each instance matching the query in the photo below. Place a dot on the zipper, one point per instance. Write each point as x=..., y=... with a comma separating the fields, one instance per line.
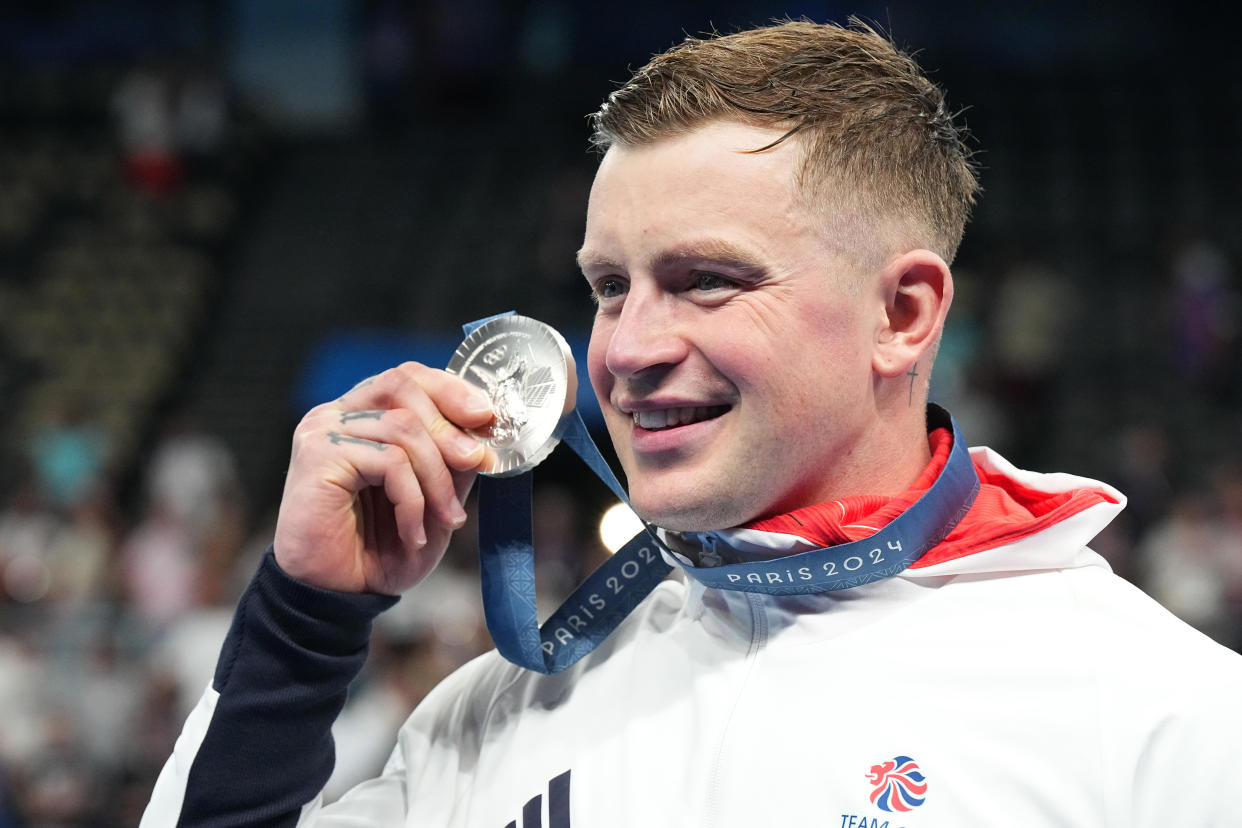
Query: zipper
x=758, y=637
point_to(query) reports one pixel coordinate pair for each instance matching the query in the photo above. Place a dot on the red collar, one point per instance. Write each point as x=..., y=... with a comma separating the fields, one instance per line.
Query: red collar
x=1003, y=512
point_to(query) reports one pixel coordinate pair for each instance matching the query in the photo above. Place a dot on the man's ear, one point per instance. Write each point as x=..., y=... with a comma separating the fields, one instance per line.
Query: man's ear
x=917, y=290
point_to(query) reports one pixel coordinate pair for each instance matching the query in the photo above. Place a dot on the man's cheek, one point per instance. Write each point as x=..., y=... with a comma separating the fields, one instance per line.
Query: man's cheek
x=601, y=379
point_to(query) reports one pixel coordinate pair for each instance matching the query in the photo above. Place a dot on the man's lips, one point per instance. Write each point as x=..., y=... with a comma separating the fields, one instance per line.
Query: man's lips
x=656, y=419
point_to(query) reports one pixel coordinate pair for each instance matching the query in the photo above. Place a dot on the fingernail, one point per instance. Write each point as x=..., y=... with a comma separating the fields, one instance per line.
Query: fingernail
x=478, y=403
x=458, y=514
x=467, y=445
x=420, y=536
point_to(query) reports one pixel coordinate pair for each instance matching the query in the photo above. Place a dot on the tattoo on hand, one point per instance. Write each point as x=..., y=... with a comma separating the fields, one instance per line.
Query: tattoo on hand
x=338, y=438
x=373, y=414
x=363, y=384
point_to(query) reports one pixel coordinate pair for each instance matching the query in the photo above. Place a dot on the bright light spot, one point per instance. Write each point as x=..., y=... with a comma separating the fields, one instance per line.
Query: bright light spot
x=27, y=579
x=455, y=621
x=617, y=526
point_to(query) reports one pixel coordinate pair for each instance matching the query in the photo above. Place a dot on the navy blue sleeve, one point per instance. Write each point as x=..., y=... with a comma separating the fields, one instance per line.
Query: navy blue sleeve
x=282, y=677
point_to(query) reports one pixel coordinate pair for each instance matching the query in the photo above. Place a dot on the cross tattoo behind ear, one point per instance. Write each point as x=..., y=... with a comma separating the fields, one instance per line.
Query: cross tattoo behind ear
x=912, y=373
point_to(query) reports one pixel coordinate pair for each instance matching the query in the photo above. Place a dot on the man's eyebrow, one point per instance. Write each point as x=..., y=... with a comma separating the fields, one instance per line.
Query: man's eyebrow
x=715, y=251
x=586, y=259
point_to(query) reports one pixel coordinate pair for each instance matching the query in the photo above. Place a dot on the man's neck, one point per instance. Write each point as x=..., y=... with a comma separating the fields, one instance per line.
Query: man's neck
x=885, y=460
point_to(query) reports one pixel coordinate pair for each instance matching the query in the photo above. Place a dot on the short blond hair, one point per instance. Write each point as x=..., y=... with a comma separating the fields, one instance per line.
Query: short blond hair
x=877, y=133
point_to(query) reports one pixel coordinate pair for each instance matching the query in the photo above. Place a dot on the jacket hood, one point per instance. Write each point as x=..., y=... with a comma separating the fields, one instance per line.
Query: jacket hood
x=1020, y=521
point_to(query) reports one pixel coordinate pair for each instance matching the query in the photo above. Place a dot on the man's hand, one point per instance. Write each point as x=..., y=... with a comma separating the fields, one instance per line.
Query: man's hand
x=376, y=481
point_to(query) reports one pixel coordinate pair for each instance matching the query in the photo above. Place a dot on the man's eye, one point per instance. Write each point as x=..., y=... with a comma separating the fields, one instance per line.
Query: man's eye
x=710, y=281
x=609, y=288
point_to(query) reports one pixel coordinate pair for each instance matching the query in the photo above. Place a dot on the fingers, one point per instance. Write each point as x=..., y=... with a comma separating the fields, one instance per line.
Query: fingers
x=369, y=463
x=409, y=447
x=410, y=384
x=410, y=407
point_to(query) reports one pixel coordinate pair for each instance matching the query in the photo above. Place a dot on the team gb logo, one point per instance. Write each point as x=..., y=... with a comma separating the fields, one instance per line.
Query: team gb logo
x=899, y=785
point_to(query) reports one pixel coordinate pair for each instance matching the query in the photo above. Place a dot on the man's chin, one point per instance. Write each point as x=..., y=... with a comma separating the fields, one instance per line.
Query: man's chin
x=690, y=516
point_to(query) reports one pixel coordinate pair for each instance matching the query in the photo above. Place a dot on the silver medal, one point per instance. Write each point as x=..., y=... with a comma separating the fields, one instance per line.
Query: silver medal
x=527, y=370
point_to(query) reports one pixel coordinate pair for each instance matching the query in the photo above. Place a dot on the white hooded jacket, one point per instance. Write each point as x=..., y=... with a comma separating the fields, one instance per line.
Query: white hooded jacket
x=1023, y=685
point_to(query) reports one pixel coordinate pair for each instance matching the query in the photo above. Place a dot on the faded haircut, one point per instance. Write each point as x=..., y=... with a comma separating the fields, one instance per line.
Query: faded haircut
x=877, y=135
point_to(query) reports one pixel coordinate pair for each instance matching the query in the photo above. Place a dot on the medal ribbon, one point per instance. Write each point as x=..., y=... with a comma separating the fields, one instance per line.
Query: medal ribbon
x=610, y=593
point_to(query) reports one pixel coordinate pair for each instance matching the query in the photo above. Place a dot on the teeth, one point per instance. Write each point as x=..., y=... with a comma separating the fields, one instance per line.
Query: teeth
x=669, y=417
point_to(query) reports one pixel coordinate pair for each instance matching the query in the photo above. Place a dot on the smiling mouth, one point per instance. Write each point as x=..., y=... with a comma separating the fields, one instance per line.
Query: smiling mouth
x=665, y=418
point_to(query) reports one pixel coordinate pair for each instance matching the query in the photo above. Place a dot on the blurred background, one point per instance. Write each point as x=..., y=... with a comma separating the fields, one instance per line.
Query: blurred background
x=214, y=215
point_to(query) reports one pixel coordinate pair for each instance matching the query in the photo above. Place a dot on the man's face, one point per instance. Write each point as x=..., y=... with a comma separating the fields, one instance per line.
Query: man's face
x=731, y=351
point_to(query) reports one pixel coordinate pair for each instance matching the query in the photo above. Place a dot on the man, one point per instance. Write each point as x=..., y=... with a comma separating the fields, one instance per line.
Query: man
x=768, y=240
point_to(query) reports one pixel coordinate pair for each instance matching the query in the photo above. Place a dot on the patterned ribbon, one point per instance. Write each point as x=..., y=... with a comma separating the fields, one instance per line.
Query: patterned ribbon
x=610, y=593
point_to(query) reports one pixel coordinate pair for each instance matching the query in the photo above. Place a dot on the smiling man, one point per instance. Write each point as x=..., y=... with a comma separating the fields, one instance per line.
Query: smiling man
x=873, y=626
x=746, y=363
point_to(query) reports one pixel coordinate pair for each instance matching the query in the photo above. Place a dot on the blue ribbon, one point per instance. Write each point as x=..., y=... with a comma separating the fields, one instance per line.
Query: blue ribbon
x=610, y=593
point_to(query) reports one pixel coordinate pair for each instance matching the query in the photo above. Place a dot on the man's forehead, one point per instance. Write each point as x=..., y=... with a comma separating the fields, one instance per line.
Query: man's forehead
x=712, y=142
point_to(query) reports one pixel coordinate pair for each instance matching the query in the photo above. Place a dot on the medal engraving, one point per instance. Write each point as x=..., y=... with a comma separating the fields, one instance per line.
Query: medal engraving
x=527, y=371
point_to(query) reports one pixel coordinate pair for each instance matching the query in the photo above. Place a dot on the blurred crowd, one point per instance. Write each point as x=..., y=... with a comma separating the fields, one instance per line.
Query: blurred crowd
x=103, y=619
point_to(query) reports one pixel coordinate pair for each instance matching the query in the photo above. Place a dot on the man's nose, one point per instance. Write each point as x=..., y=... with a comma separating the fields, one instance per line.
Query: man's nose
x=647, y=335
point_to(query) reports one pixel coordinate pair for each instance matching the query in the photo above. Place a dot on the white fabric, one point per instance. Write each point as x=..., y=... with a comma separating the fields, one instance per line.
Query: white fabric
x=1031, y=686
x=169, y=792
